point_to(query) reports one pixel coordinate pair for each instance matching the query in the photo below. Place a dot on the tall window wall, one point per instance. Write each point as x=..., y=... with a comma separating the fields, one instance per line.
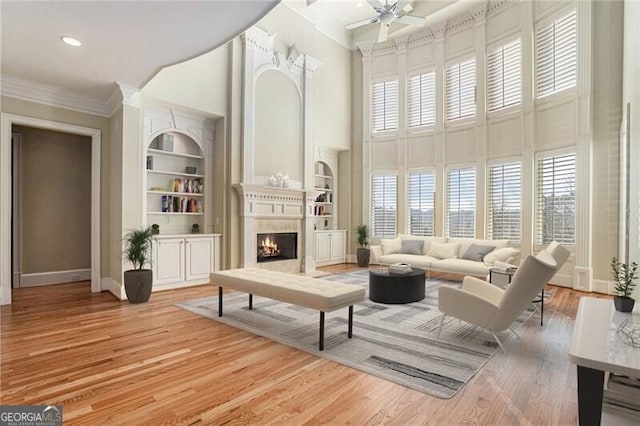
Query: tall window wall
x=384, y=205
x=421, y=202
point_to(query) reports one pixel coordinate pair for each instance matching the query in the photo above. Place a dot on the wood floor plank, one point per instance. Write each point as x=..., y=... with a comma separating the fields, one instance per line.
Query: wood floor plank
x=111, y=362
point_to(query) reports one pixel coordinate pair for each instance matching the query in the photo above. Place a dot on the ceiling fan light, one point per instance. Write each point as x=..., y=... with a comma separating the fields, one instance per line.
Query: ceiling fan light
x=387, y=18
x=71, y=41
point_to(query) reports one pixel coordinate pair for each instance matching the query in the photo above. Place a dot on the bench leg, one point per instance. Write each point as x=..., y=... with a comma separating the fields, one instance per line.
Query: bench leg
x=321, y=342
x=219, y=301
x=350, y=331
x=250, y=301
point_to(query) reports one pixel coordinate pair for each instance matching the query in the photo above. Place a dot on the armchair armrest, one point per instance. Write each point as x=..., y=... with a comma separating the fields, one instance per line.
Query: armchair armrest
x=483, y=289
x=466, y=306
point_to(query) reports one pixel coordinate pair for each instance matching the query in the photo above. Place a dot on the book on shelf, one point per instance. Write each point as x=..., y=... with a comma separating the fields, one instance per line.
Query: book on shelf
x=191, y=186
x=175, y=204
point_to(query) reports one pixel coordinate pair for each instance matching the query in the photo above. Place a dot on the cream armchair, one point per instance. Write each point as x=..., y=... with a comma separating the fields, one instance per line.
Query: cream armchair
x=494, y=309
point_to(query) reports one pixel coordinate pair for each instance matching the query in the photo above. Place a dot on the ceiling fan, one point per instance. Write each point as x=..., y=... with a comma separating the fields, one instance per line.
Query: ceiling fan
x=387, y=13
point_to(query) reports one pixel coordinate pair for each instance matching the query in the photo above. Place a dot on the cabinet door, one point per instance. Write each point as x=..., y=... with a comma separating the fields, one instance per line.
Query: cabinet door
x=199, y=258
x=323, y=248
x=168, y=261
x=338, y=249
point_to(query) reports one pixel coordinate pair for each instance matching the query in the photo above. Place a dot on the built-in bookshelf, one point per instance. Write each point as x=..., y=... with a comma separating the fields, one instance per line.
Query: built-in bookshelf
x=175, y=182
x=323, y=207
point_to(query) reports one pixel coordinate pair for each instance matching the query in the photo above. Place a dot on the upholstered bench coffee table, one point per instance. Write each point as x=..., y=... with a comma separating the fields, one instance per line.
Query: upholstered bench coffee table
x=387, y=287
x=314, y=293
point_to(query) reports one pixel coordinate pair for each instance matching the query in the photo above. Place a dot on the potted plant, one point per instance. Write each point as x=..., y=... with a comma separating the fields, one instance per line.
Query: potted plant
x=195, y=228
x=363, y=253
x=138, y=281
x=155, y=229
x=623, y=275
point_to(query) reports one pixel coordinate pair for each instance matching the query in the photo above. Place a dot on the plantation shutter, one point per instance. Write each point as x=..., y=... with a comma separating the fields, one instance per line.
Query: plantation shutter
x=504, y=80
x=556, y=199
x=460, y=90
x=385, y=106
x=384, y=201
x=422, y=99
x=504, y=201
x=421, y=203
x=461, y=202
x=556, y=56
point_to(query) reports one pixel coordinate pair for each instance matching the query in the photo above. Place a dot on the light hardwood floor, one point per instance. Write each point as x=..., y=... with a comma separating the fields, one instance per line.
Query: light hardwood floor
x=111, y=362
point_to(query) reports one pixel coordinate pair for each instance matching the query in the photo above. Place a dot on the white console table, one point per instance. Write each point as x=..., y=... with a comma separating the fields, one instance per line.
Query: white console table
x=595, y=348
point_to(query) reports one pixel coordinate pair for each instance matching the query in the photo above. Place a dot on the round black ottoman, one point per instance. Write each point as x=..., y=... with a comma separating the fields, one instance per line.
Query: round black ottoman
x=387, y=287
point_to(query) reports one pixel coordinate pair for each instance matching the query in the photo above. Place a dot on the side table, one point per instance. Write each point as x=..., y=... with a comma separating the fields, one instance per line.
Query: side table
x=498, y=276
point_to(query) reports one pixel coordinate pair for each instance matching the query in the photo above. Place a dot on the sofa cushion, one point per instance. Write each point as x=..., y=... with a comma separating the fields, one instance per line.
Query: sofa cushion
x=477, y=252
x=460, y=266
x=500, y=255
x=417, y=261
x=444, y=250
x=390, y=246
x=412, y=247
x=427, y=240
x=465, y=243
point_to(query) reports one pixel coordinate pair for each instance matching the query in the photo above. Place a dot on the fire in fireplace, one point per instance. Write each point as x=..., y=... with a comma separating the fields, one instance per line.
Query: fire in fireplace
x=277, y=246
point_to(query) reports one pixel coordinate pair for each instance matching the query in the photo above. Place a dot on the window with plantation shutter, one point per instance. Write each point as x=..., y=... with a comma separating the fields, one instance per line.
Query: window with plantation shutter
x=461, y=202
x=422, y=99
x=385, y=106
x=556, y=199
x=421, y=188
x=384, y=205
x=504, y=198
x=460, y=90
x=504, y=76
x=556, y=56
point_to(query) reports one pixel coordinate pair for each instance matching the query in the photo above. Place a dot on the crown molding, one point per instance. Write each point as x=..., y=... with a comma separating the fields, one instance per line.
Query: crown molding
x=123, y=94
x=19, y=88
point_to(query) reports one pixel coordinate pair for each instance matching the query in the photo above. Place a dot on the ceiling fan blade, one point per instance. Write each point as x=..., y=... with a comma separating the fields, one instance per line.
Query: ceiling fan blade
x=383, y=33
x=362, y=23
x=411, y=20
x=376, y=4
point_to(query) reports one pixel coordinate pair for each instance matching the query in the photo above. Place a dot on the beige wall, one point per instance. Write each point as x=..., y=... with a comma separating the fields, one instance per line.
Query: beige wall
x=352, y=161
x=115, y=196
x=55, y=200
x=61, y=115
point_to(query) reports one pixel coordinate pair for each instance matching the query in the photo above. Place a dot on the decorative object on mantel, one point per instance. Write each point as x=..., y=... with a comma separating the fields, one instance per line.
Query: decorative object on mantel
x=155, y=229
x=279, y=180
x=629, y=332
x=363, y=253
x=623, y=274
x=195, y=228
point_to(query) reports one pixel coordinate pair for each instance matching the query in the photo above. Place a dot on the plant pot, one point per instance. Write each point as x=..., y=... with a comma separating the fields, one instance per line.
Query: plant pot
x=138, y=284
x=363, y=255
x=623, y=303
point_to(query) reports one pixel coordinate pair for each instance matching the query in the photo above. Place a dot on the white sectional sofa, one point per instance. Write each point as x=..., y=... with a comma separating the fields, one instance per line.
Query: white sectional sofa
x=465, y=256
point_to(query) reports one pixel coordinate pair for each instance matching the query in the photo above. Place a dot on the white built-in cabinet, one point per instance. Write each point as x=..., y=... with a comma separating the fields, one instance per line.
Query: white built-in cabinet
x=178, y=194
x=331, y=247
x=182, y=260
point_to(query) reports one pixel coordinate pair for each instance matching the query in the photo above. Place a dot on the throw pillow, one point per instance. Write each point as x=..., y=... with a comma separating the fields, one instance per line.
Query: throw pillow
x=477, y=252
x=500, y=255
x=391, y=246
x=411, y=247
x=444, y=250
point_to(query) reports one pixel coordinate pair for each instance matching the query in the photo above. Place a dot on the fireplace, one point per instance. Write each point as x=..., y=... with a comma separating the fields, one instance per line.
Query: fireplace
x=277, y=246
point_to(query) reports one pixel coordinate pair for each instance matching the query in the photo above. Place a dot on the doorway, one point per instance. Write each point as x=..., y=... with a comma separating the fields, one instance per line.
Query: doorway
x=6, y=183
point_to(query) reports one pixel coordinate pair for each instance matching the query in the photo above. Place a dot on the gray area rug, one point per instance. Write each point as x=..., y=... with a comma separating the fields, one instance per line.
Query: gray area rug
x=396, y=342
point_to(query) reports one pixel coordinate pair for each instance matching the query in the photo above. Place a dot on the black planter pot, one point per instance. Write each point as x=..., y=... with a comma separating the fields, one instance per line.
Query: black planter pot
x=363, y=255
x=623, y=303
x=137, y=285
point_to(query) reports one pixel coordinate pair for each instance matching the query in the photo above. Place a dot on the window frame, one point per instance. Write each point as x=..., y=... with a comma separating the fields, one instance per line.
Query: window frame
x=433, y=171
x=536, y=213
x=551, y=18
x=372, y=175
x=490, y=48
x=421, y=127
x=493, y=163
x=446, y=197
x=447, y=64
x=384, y=79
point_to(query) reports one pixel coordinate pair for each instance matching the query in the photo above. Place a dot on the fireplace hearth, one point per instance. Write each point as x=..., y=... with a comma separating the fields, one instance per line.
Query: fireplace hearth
x=277, y=246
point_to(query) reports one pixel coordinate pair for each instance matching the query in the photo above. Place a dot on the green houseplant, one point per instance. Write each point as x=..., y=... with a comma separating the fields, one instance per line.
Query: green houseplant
x=623, y=274
x=363, y=253
x=138, y=281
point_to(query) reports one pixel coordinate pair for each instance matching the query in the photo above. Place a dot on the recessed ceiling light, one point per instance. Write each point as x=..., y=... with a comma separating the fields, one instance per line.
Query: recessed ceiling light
x=71, y=41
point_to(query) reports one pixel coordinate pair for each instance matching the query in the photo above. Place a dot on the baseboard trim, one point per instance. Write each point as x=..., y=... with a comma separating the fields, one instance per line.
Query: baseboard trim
x=55, y=277
x=603, y=286
x=110, y=285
